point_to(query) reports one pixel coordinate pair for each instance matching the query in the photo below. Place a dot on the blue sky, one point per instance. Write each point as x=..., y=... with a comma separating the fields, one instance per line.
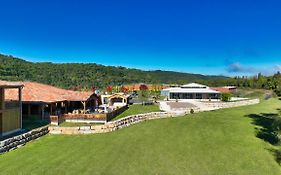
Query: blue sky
x=233, y=37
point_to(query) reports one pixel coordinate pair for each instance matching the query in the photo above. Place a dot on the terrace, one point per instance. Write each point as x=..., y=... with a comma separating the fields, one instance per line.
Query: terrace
x=110, y=107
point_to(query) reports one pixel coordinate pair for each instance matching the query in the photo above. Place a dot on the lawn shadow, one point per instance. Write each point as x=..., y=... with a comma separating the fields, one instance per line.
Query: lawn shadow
x=264, y=130
x=30, y=124
x=277, y=154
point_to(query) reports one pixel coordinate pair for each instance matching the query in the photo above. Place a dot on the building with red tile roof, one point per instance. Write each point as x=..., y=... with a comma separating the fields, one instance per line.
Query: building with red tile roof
x=225, y=89
x=37, y=92
x=44, y=100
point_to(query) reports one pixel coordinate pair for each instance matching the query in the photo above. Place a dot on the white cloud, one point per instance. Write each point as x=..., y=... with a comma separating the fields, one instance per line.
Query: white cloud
x=245, y=69
x=277, y=67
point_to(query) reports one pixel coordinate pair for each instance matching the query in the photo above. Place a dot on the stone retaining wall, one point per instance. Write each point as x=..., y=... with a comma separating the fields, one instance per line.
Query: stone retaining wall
x=219, y=105
x=110, y=126
x=20, y=140
x=127, y=121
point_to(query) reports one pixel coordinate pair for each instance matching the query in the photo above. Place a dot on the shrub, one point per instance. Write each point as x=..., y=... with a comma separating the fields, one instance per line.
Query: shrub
x=278, y=92
x=143, y=87
x=143, y=96
x=226, y=97
x=191, y=111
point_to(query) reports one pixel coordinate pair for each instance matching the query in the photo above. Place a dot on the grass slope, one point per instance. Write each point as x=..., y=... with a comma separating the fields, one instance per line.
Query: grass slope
x=138, y=109
x=210, y=143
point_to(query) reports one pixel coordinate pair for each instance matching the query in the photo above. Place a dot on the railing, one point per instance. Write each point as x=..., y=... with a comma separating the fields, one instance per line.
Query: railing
x=99, y=118
x=114, y=113
x=85, y=116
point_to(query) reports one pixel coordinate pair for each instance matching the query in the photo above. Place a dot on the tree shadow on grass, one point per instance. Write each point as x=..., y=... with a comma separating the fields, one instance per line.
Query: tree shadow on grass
x=265, y=130
x=277, y=154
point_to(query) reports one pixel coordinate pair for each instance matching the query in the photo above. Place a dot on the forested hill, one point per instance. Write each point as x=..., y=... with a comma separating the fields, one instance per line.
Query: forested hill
x=68, y=75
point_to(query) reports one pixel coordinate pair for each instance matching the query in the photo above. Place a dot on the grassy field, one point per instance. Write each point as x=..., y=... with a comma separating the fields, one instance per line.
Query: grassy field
x=209, y=143
x=138, y=109
x=253, y=93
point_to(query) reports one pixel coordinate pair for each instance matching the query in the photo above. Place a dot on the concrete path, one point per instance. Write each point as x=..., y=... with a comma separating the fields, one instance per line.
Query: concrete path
x=186, y=106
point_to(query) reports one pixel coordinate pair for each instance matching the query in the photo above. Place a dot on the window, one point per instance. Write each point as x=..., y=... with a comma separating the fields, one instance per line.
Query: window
x=198, y=96
x=105, y=100
x=189, y=96
x=174, y=96
x=213, y=96
x=117, y=100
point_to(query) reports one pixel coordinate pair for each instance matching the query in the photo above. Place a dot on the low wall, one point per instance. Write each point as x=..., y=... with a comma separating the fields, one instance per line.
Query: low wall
x=219, y=105
x=20, y=140
x=110, y=126
x=56, y=119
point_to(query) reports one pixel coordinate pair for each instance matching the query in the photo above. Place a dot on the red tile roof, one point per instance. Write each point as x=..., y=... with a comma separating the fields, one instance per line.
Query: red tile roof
x=37, y=92
x=222, y=89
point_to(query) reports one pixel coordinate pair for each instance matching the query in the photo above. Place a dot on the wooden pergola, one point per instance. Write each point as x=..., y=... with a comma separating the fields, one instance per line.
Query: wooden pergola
x=118, y=96
x=92, y=101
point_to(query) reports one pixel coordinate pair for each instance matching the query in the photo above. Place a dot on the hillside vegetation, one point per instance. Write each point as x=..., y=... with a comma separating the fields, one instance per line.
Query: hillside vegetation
x=69, y=75
x=79, y=76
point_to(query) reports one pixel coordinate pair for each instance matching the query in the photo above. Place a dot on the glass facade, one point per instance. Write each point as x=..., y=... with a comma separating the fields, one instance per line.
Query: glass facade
x=198, y=96
x=194, y=96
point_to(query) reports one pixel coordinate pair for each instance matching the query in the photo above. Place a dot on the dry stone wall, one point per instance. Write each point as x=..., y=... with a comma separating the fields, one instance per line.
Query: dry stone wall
x=110, y=126
x=220, y=105
x=20, y=140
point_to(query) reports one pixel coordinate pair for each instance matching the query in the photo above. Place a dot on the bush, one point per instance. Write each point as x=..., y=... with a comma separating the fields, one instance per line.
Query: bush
x=226, y=97
x=278, y=92
x=191, y=111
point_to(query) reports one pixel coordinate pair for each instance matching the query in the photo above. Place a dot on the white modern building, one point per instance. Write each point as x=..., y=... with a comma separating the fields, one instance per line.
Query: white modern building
x=190, y=91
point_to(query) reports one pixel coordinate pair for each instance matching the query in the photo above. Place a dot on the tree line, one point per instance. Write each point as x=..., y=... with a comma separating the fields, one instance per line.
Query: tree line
x=78, y=75
x=86, y=76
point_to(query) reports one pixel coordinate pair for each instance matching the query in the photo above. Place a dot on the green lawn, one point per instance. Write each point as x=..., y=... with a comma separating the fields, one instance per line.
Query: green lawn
x=138, y=109
x=209, y=143
x=252, y=93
